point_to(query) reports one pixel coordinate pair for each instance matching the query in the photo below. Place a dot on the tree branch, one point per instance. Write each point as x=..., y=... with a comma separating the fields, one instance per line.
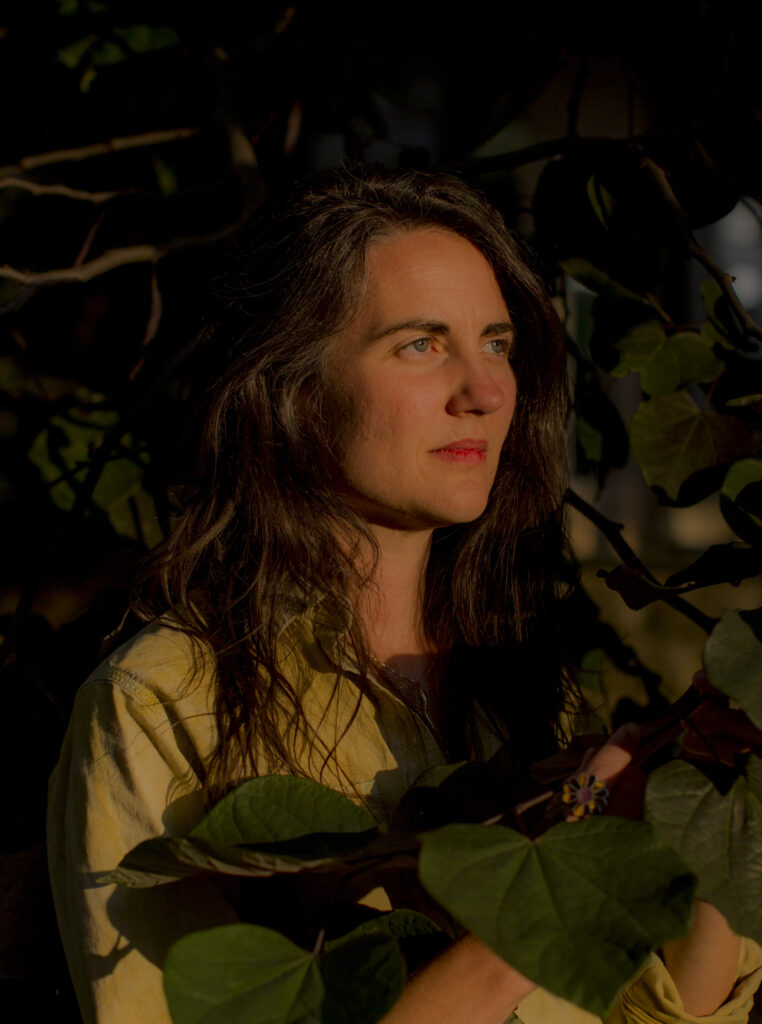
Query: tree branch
x=61, y=156
x=37, y=189
x=613, y=533
x=723, y=279
x=109, y=260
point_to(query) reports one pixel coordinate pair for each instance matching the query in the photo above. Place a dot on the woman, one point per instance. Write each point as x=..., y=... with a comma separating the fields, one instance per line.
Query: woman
x=361, y=584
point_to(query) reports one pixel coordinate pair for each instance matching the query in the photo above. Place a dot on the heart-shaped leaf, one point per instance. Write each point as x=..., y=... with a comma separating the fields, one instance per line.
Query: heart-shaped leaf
x=672, y=439
x=242, y=974
x=733, y=660
x=274, y=808
x=577, y=910
x=157, y=861
x=666, y=363
x=364, y=975
x=719, y=837
x=741, y=499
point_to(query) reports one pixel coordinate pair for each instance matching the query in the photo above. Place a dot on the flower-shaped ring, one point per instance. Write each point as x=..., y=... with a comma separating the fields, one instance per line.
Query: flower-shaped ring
x=586, y=793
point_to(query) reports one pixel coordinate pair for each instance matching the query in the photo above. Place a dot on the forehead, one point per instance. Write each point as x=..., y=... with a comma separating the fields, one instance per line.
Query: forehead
x=429, y=265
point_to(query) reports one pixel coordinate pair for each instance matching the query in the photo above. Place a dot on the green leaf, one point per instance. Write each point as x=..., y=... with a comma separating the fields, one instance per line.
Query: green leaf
x=590, y=440
x=145, y=38
x=241, y=974
x=718, y=324
x=666, y=364
x=72, y=54
x=719, y=837
x=107, y=53
x=577, y=910
x=165, y=176
x=601, y=435
x=363, y=978
x=162, y=860
x=741, y=499
x=397, y=924
x=589, y=673
x=274, y=808
x=672, y=439
x=733, y=660
x=87, y=79
x=601, y=200
x=742, y=473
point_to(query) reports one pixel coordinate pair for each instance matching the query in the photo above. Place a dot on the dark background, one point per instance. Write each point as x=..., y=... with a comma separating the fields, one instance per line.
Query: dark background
x=138, y=136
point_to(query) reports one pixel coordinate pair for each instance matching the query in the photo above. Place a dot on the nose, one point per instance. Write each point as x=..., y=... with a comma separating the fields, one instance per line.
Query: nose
x=476, y=391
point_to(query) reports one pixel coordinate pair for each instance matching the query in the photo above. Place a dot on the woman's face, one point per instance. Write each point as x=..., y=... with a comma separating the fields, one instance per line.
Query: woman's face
x=423, y=383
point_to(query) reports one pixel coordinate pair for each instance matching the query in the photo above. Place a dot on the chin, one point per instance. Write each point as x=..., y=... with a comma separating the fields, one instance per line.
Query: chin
x=465, y=512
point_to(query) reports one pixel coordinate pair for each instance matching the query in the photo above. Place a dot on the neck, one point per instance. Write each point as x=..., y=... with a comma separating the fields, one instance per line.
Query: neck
x=392, y=607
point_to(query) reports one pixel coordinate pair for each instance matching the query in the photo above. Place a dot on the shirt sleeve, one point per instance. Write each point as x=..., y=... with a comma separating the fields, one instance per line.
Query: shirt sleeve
x=653, y=998
x=127, y=772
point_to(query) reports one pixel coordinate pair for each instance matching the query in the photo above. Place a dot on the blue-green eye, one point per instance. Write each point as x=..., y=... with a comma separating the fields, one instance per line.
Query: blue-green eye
x=419, y=345
x=498, y=346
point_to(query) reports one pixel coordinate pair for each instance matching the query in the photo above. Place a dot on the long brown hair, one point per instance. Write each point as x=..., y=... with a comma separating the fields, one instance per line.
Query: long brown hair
x=260, y=516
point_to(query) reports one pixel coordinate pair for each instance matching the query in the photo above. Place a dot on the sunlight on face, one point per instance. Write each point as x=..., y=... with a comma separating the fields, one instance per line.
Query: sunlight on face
x=424, y=381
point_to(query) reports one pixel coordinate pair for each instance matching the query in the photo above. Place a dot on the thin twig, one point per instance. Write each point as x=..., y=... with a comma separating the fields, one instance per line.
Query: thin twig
x=659, y=308
x=86, y=271
x=61, y=156
x=682, y=222
x=109, y=260
x=613, y=533
x=37, y=189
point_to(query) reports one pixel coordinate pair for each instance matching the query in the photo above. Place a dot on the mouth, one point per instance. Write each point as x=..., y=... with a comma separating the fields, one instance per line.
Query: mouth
x=469, y=450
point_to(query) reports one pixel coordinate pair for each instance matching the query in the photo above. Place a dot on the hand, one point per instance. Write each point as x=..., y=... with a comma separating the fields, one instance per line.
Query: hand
x=611, y=763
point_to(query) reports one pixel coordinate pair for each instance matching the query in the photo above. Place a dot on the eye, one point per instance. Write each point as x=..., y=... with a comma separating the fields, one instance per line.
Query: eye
x=499, y=347
x=419, y=345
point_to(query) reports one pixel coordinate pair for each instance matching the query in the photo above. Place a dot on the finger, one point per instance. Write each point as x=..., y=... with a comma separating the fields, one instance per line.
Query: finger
x=605, y=766
x=614, y=756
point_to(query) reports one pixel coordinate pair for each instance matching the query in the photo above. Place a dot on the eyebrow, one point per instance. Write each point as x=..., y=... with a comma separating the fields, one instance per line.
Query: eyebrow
x=438, y=327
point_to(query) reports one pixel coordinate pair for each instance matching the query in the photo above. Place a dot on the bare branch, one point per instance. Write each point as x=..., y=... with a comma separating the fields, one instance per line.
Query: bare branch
x=61, y=156
x=36, y=189
x=109, y=260
x=723, y=279
x=613, y=533
x=86, y=271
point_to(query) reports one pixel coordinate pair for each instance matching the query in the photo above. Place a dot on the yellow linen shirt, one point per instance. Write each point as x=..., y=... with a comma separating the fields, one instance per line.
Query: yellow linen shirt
x=131, y=768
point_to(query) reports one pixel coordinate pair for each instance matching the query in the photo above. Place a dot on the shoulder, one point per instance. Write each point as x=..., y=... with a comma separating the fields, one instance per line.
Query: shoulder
x=159, y=665
x=156, y=689
x=160, y=661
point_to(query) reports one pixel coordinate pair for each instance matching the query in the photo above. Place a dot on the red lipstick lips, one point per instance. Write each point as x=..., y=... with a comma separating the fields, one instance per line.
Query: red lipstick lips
x=467, y=450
